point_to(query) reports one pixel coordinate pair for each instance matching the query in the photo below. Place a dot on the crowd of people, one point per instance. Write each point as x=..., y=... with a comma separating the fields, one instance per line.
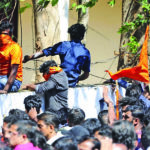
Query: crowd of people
x=60, y=127
x=69, y=129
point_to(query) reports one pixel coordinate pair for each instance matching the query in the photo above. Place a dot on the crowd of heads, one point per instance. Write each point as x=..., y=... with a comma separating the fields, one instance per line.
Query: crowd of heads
x=68, y=129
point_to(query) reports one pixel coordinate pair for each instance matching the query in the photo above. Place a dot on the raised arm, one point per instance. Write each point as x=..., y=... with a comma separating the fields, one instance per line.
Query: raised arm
x=111, y=111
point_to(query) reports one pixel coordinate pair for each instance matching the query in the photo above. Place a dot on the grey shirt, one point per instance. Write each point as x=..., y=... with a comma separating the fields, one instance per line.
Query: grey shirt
x=55, y=91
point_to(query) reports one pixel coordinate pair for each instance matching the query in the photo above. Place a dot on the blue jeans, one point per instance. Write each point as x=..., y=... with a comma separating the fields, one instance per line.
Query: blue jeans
x=15, y=86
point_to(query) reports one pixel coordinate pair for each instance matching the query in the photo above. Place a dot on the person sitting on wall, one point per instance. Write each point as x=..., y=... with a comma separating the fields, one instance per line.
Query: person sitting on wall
x=73, y=55
x=55, y=87
x=10, y=60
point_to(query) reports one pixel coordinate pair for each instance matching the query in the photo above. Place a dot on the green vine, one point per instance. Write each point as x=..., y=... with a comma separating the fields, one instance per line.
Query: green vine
x=131, y=27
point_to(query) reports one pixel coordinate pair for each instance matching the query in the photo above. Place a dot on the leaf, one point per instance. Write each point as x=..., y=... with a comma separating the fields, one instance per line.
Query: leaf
x=22, y=9
x=54, y=2
x=22, y=0
x=73, y=5
x=111, y=3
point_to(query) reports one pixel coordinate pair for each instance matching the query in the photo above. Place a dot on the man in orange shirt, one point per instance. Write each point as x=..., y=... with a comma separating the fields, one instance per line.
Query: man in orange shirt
x=10, y=60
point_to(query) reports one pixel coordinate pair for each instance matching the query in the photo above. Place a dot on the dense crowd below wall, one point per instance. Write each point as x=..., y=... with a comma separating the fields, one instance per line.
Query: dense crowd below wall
x=67, y=129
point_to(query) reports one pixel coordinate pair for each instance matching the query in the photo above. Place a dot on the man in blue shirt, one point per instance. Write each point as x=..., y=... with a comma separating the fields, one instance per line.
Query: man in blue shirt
x=73, y=55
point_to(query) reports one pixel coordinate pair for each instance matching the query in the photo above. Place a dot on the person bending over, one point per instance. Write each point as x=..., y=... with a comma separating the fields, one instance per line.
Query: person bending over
x=55, y=88
x=73, y=55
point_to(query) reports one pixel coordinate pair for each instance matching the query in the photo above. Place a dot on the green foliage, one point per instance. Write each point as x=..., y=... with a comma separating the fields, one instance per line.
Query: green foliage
x=26, y=5
x=84, y=6
x=132, y=45
x=111, y=3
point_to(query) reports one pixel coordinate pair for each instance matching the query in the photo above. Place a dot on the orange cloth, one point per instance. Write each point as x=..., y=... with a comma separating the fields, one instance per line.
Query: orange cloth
x=139, y=72
x=52, y=70
x=10, y=53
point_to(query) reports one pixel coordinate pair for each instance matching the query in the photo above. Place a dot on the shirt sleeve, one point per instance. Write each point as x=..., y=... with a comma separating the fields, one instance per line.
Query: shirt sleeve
x=45, y=86
x=16, y=54
x=86, y=65
x=55, y=50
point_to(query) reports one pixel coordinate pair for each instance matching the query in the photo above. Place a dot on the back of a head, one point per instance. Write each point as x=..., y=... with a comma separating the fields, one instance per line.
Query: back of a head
x=123, y=132
x=32, y=101
x=103, y=117
x=44, y=68
x=105, y=131
x=92, y=125
x=5, y=25
x=65, y=143
x=134, y=90
x=77, y=31
x=19, y=114
x=77, y=132
x=145, y=139
x=49, y=119
x=127, y=101
x=75, y=116
x=63, y=115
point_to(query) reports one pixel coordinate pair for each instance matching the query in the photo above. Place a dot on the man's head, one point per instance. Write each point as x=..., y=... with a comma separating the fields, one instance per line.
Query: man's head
x=89, y=143
x=44, y=68
x=6, y=28
x=123, y=132
x=77, y=31
x=134, y=90
x=92, y=125
x=135, y=115
x=20, y=132
x=75, y=116
x=103, y=117
x=48, y=124
x=32, y=101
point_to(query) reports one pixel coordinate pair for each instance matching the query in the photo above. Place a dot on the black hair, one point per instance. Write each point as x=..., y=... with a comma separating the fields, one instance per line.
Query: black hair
x=96, y=143
x=134, y=90
x=63, y=115
x=105, y=131
x=32, y=101
x=127, y=101
x=146, y=118
x=103, y=117
x=92, y=125
x=137, y=112
x=77, y=31
x=4, y=25
x=44, y=68
x=75, y=116
x=19, y=114
x=65, y=143
x=145, y=138
x=49, y=119
x=10, y=118
x=123, y=132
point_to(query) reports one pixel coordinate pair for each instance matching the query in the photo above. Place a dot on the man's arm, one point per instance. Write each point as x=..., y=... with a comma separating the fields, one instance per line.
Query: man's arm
x=83, y=76
x=111, y=111
x=34, y=56
x=11, y=78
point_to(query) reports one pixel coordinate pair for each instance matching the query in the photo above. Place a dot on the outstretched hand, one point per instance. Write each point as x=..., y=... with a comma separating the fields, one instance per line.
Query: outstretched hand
x=26, y=58
x=30, y=87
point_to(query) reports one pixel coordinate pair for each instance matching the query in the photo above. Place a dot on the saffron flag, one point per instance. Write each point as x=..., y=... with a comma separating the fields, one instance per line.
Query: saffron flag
x=139, y=72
